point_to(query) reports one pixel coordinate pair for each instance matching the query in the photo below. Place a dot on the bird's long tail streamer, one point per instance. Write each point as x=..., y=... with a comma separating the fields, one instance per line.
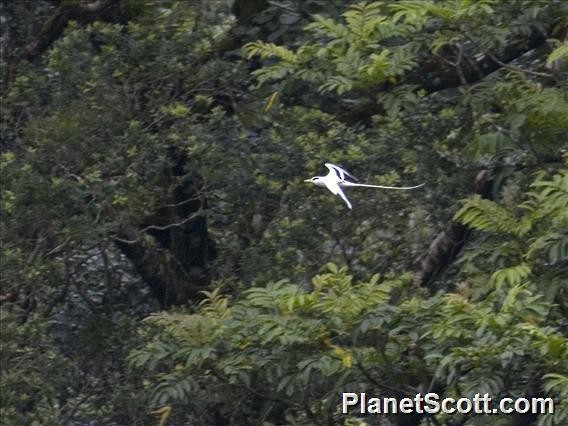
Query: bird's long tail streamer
x=348, y=184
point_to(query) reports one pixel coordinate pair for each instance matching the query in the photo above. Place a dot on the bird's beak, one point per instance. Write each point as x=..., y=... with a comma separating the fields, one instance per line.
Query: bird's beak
x=307, y=180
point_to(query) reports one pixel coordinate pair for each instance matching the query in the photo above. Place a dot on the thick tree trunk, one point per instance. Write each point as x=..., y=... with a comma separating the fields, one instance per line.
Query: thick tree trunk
x=448, y=243
x=171, y=251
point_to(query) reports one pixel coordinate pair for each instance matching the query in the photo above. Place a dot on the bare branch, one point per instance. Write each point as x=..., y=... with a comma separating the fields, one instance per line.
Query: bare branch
x=508, y=66
x=160, y=228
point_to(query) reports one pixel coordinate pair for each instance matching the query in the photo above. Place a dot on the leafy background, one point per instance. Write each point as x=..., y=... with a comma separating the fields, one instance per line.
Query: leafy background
x=163, y=261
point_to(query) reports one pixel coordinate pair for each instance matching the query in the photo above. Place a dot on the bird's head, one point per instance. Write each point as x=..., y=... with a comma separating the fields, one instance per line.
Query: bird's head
x=316, y=180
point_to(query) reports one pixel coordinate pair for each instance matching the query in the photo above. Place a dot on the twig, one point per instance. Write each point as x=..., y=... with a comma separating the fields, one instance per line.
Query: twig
x=508, y=66
x=181, y=203
x=461, y=75
x=159, y=228
x=58, y=248
x=92, y=306
x=517, y=69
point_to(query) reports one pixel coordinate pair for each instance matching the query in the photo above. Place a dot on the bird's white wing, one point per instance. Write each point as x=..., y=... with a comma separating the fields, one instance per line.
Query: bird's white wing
x=335, y=189
x=341, y=173
x=351, y=184
x=344, y=198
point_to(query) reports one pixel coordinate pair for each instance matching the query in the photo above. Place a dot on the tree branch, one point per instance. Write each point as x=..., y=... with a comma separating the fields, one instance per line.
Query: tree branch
x=162, y=277
x=159, y=228
x=448, y=243
x=480, y=68
x=55, y=25
x=510, y=67
x=441, y=74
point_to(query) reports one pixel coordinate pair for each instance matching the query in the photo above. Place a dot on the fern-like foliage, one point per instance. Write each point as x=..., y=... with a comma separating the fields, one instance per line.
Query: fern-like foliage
x=513, y=276
x=559, y=54
x=346, y=55
x=268, y=50
x=556, y=384
x=450, y=11
x=486, y=215
x=539, y=232
x=374, y=45
x=295, y=348
x=280, y=331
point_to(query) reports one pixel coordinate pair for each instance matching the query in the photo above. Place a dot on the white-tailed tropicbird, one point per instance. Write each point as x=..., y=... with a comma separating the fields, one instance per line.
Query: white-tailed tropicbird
x=335, y=181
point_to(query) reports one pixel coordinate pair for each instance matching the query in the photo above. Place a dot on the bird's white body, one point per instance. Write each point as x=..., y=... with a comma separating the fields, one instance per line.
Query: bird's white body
x=335, y=180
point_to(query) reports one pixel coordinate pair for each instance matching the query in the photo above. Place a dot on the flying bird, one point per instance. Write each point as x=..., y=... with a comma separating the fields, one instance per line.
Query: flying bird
x=335, y=181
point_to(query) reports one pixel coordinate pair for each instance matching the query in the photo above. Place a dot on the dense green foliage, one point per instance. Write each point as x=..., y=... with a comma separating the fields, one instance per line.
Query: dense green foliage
x=152, y=167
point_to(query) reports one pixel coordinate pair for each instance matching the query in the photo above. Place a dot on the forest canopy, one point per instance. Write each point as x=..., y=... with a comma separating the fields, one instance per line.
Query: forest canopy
x=164, y=262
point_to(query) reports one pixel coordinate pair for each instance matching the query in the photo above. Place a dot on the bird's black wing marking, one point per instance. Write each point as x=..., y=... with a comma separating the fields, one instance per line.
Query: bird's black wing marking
x=339, y=172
